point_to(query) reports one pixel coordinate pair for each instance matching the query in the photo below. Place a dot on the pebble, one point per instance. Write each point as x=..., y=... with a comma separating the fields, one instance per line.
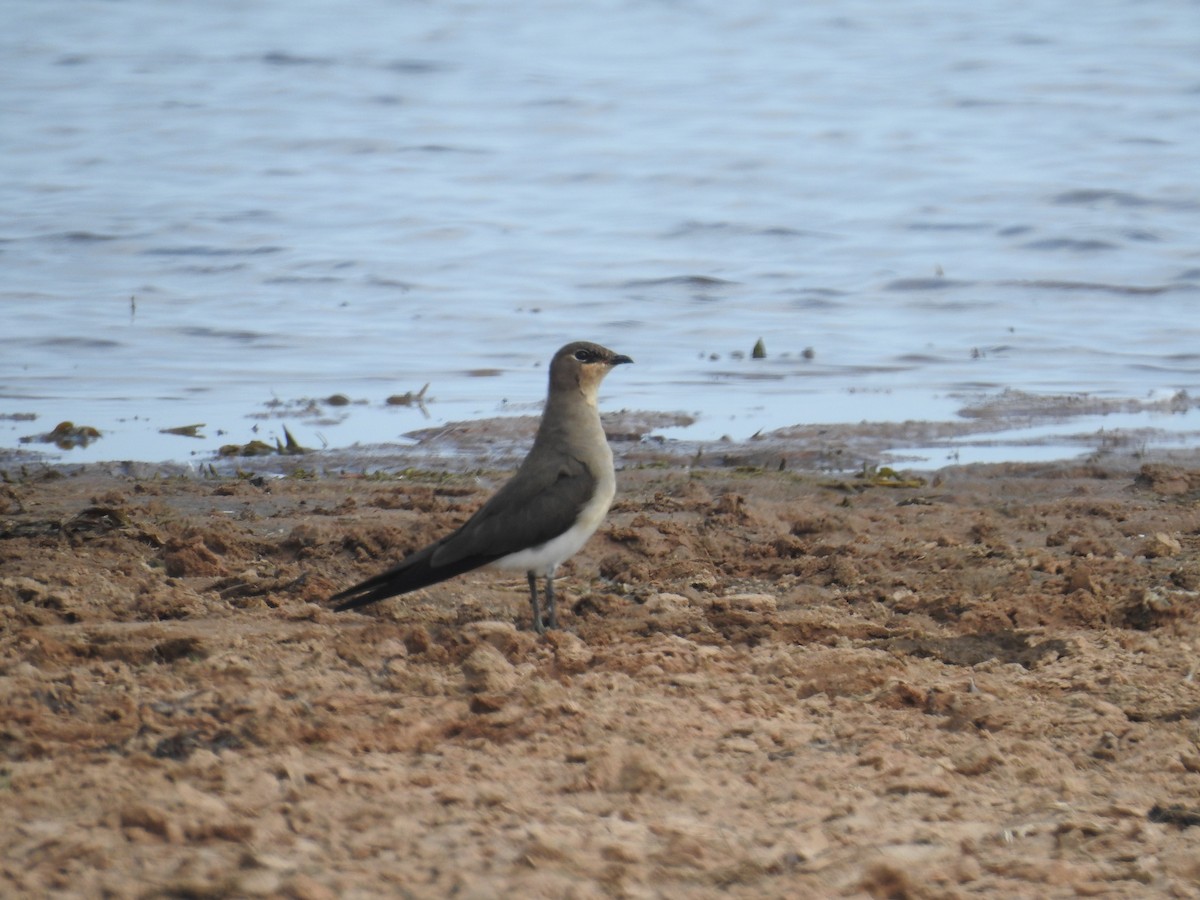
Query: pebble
x=487, y=671
x=1161, y=545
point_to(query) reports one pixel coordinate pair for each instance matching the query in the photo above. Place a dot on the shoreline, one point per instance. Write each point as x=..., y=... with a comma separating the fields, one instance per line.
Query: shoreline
x=1011, y=428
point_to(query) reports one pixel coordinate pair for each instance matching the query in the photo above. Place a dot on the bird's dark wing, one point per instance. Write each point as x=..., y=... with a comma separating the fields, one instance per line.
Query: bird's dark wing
x=542, y=500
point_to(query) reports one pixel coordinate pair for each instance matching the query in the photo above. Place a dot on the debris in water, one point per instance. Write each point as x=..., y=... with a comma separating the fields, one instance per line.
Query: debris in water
x=289, y=446
x=409, y=398
x=192, y=431
x=65, y=436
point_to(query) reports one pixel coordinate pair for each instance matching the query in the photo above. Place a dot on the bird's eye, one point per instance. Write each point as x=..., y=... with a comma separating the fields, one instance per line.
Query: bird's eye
x=583, y=355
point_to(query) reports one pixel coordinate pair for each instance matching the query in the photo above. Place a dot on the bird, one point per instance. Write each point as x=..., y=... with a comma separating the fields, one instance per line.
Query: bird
x=541, y=516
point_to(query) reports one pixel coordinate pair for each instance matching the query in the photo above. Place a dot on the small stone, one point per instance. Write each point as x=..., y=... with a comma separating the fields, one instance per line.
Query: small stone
x=761, y=603
x=148, y=818
x=622, y=853
x=501, y=635
x=302, y=887
x=739, y=745
x=190, y=559
x=638, y=773
x=809, y=844
x=259, y=883
x=658, y=604
x=1080, y=579
x=484, y=704
x=198, y=801
x=968, y=868
x=934, y=787
x=1161, y=545
x=571, y=653
x=487, y=671
x=976, y=762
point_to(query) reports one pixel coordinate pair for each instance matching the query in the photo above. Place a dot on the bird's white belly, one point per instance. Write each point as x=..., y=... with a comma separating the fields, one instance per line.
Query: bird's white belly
x=543, y=558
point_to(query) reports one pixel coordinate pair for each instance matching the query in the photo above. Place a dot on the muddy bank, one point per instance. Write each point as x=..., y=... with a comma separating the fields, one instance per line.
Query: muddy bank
x=1006, y=426
x=980, y=680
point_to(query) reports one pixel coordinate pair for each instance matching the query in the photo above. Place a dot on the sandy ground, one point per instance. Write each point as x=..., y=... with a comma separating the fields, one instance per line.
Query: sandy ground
x=770, y=684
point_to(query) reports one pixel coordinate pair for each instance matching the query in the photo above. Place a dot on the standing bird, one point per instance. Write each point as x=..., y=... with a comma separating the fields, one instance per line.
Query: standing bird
x=546, y=511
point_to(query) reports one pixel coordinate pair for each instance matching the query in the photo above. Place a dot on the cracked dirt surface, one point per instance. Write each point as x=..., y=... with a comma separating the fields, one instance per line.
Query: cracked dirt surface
x=770, y=684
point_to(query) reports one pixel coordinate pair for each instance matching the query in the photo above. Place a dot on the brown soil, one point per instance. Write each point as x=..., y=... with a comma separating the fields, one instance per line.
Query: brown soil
x=770, y=685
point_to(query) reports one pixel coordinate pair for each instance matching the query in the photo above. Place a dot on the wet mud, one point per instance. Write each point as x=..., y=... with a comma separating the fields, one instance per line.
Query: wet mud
x=978, y=681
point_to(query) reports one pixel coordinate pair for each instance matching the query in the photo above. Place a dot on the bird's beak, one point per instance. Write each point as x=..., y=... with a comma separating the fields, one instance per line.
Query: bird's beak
x=619, y=359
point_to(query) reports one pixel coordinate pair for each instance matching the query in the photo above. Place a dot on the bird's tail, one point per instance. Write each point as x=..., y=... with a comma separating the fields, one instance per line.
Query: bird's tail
x=414, y=573
x=384, y=585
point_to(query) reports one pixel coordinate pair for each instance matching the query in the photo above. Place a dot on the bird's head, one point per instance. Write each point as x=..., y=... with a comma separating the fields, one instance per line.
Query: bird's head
x=583, y=365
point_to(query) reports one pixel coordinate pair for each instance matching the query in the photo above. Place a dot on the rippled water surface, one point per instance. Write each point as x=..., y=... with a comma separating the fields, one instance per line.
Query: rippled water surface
x=212, y=212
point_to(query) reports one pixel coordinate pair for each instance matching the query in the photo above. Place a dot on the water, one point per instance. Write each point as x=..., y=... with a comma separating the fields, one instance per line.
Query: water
x=209, y=207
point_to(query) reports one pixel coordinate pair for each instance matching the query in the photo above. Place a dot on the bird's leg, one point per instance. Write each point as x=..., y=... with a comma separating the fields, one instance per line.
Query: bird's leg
x=551, y=607
x=533, y=601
